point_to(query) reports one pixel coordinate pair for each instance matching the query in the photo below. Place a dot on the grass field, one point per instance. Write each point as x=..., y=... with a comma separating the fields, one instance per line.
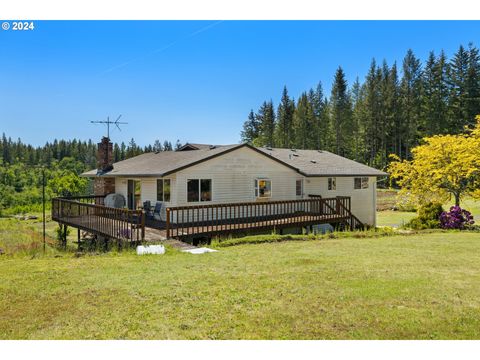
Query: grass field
x=399, y=287
x=418, y=286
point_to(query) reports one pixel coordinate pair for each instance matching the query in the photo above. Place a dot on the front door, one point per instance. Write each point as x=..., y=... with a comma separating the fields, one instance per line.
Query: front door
x=134, y=194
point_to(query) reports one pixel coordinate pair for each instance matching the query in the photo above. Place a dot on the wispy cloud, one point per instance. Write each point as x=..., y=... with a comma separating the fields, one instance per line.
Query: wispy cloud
x=162, y=49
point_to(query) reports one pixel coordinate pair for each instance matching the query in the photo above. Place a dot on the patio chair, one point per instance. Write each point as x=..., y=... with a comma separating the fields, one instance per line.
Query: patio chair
x=147, y=207
x=157, y=211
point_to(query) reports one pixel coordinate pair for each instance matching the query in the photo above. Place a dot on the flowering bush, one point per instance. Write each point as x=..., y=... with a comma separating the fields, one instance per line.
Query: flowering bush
x=456, y=218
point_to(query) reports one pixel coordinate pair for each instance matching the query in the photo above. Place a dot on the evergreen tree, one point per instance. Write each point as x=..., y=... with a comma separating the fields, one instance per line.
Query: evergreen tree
x=157, y=146
x=251, y=128
x=178, y=144
x=372, y=113
x=167, y=146
x=458, y=76
x=472, y=106
x=358, y=145
x=411, y=103
x=284, y=129
x=341, y=113
x=266, y=118
x=132, y=149
x=435, y=97
x=123, y=151
x=391, y=101
x=116, y=153
x=320, y=117
x=6, y=150
x=303, y=123
x=390, y=112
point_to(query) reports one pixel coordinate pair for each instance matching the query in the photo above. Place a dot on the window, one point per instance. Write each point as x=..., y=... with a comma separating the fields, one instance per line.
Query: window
x=360, y=183
x=299, y=187
x=199, y=190
x=163, y=190
x=263, y=188
x=205, y=190
x=332, y=183
x=364, y=182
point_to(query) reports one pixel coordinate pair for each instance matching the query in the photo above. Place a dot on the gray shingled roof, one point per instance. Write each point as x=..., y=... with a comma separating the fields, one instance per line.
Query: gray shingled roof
x=321, y=163
x=306, y=162
x=163, y=162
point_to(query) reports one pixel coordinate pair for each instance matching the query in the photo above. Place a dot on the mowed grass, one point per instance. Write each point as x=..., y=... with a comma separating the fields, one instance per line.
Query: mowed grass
x=394, y=218
x=423, y=286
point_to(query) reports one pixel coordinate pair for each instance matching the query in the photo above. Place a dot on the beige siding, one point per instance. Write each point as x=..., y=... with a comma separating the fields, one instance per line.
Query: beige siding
x=121, y=187
x=233, y=176
x=363, y=200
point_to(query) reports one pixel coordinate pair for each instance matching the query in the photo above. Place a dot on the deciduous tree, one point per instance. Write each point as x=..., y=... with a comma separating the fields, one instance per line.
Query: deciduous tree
x=443, y=166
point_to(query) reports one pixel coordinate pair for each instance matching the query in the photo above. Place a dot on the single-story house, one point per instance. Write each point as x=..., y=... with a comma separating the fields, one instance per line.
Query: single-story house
x=199, y=174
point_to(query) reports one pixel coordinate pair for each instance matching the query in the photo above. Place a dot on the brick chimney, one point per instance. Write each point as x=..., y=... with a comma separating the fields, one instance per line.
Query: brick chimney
x=104, y=155
x=104, y=185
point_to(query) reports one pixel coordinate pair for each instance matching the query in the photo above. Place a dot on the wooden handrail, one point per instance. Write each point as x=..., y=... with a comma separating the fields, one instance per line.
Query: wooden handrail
x=88, y=199
x=184, y=221
x=353, y=222
x=120, y=224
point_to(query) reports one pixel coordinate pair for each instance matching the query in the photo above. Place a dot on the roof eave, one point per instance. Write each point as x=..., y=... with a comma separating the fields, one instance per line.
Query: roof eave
x=344, y=175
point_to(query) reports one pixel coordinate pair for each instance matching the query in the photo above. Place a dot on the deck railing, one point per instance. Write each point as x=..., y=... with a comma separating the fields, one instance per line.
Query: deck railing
x=184, y=221
x=84, y=213
x=87, y=199
x=352, y=221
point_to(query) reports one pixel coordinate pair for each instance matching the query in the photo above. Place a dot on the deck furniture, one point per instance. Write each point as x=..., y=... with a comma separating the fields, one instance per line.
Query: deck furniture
x=157, y=211
x=147, y=208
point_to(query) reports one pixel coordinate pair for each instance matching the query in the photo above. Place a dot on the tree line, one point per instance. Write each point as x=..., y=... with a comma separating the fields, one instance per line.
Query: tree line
x=22, y=166
x=13, y=152
x=389, y=112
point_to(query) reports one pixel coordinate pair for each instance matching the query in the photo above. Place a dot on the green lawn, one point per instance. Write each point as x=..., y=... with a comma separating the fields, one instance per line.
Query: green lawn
x=394, y=218
x=400, y=287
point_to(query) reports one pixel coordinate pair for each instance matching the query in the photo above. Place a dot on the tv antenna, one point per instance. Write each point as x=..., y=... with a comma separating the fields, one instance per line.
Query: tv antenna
x=108, y=123
x=107, y=166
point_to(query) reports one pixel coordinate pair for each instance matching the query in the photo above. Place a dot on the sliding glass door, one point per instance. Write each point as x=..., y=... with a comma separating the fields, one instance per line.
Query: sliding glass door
x=134, y=194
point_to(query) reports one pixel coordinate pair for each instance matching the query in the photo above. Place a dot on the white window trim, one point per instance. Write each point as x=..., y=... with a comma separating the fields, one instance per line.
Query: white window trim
x=302, y=191
x=335, y=181
x=361, y=182
x=199, y=191
x=256, y=188
x=171, y=192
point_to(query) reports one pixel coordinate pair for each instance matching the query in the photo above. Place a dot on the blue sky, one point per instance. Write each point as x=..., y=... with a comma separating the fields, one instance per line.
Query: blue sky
x=190, y=80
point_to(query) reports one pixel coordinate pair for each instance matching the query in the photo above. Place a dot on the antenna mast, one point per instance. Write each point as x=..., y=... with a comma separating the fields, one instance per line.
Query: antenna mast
x=108, y=122
x=117, y=123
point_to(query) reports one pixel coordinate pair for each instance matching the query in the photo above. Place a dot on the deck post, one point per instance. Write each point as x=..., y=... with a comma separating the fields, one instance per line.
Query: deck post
x=64, y=237
x=168, y=222
x=143, y=225
x=337, y=207
x=78, y=238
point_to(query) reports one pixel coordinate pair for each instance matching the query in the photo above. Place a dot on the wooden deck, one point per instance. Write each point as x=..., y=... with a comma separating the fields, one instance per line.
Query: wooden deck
x=119, y=224
x=185, y=222
x=212, y=228
x=206, y=221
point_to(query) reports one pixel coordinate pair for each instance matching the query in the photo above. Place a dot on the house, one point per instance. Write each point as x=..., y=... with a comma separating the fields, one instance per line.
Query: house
x=199, y=174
